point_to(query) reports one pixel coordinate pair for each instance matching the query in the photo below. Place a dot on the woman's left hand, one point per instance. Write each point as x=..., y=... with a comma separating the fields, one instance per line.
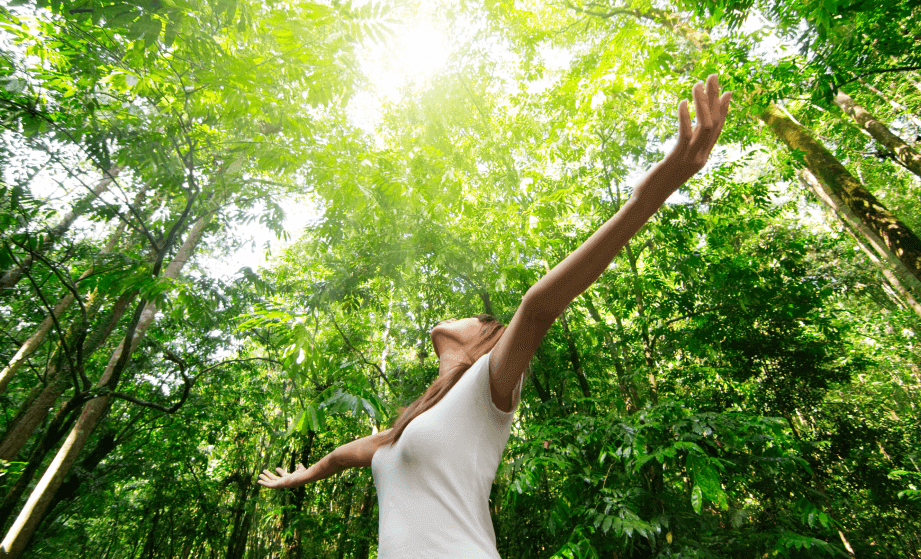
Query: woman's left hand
x=282, y=480
x=694, y=145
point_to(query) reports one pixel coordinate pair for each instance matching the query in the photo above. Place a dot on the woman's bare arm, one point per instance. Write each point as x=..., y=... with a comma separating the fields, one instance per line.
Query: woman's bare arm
x=350, y=455
x=547, y=299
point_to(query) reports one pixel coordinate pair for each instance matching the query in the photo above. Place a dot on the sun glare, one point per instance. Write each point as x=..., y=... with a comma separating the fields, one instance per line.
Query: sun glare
x=414, y=52
x=419, y=51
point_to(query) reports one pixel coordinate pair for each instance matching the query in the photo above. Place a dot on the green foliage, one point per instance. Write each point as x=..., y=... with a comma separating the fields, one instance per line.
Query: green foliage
x=740, y=382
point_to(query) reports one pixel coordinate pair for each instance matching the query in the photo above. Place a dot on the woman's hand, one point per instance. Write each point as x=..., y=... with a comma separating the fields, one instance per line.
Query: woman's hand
x=694, y=145
x=283, y=479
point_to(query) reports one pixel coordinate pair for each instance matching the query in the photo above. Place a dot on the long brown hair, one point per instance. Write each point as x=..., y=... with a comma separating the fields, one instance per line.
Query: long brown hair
x=490, y=333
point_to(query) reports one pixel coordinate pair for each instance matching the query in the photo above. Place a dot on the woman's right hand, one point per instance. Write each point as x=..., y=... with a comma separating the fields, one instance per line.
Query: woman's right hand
x=283, y=479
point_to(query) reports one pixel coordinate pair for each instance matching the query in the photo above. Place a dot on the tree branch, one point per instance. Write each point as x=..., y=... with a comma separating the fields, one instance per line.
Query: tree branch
x=877, y=71
x=345, y=338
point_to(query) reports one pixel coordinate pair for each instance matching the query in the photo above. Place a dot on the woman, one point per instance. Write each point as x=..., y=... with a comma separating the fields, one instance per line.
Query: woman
x=434, y=468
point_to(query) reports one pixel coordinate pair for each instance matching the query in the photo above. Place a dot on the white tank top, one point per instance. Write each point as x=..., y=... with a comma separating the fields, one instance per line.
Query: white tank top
x=433, y=484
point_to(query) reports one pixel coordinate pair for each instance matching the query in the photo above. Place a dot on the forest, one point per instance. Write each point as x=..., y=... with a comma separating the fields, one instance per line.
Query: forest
x=227, y=227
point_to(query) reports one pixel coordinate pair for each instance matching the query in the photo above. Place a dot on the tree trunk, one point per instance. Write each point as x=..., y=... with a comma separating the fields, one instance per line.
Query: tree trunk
x=68, y=490
x=487, y=304
x=151, y=544
x=902, y=152
x=9, y=278
x=895, y=235
x=364, y=543
x=41, y=399
x=243, y=516
x=901, y=280
x=33, y=511
x=62, y=421
x=644, y=333
x=538, y=385
x=291, y=544
x=36, y=339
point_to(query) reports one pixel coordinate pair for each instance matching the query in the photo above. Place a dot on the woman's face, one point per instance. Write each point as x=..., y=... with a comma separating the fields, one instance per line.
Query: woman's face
x=456, y=332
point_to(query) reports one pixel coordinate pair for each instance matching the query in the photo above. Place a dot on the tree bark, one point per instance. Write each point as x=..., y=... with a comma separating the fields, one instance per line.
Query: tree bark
x=36, y=339
x=291, y=544
x=901, y=280
x=343, y=535
x=364, y=543
x=42, y=398
x=895, y=235
x=902, y=152
x=33, y=511
x=62, y=421
x=487, y=304
x=150, y=545
x=644, y=332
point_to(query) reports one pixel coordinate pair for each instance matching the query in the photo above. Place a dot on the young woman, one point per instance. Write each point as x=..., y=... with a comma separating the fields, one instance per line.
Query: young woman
x=434, y=468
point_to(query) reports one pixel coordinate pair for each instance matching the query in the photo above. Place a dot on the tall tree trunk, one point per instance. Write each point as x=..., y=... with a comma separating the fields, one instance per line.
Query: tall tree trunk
x=36, y=339
x=903, y=153
x=895, y=235
x=41, y=399
x=364, y=543
x=33, y=511
x=644, y=327
x=9, y=278
x=901, y=280
x=487, y=304
x=85, y=471
x=151, y=544
x=291, y=544
x=242, y=515
x=62, y=421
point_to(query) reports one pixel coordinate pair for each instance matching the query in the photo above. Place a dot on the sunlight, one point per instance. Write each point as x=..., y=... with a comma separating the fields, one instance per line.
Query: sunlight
x=417, y=52
x=414, y=52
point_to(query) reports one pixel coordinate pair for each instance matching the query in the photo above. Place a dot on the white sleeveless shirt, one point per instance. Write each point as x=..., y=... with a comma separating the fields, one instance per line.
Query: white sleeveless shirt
x=433, y=484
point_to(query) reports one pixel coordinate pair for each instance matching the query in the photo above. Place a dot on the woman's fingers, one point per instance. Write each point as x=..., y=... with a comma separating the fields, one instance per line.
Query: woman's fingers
x=701, y=107
x=724, y=106
x=281, y=472
x=684, y=123
x=713, y=94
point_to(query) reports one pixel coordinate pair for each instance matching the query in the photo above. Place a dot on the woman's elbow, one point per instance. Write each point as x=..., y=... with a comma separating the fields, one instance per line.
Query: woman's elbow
x=541, y=306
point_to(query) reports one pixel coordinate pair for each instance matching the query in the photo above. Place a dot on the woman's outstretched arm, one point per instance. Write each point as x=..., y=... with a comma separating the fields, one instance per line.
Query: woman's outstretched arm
x=550, y=296
x=350, y=455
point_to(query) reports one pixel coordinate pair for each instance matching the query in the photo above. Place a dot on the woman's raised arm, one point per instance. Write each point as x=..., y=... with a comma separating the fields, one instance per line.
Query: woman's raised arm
x=550, y=296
